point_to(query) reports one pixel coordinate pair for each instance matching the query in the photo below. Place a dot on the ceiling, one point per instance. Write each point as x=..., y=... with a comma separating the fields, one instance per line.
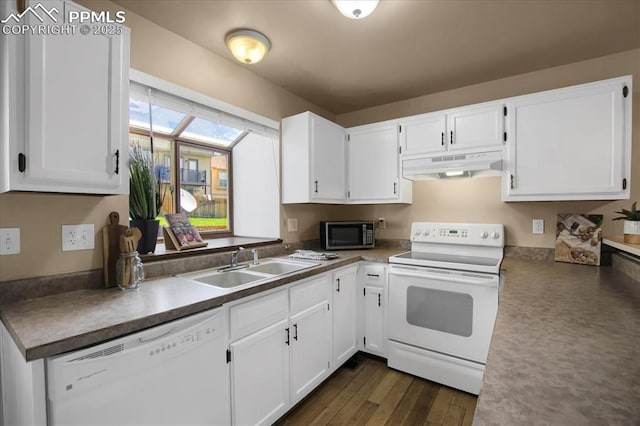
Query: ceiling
x=406, y=48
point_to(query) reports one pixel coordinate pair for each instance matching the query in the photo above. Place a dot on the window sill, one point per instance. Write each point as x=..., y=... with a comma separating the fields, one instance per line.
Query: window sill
x=216, y=245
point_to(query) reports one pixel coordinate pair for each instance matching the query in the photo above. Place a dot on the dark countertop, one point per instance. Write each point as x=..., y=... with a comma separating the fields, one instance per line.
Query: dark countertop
x=565, y=348
x=50, y=325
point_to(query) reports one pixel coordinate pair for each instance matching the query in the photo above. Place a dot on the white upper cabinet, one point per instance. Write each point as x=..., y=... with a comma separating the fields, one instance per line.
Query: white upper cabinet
x=66, y=125
x=313, y=166
x=424, y=134
x=472, y=128
x=570, y=144
x=476, y=127
x=374, y=165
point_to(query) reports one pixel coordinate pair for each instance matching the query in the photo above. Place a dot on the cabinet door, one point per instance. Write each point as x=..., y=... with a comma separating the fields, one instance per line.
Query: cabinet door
x=476, y=127
x=260, y=375
x=313, y=160
x=328, y=166
x=374, y=335
x=345, y=342
x=76, y=116
x=310, y=349
x=373, y=163
x=424, y=134
x=569, y=144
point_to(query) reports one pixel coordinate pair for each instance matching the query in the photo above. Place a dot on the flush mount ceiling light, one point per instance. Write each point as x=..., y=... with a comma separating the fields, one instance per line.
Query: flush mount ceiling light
x=355, y=9
x=247, y=46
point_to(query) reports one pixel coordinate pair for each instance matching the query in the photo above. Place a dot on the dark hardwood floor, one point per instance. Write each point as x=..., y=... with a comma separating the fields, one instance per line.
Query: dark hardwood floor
x=373, y=394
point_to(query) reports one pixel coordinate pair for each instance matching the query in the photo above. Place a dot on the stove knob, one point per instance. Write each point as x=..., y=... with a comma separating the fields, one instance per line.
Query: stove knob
x=484, y=234
x=495, y=235
x=426, y=232
x=417, y=231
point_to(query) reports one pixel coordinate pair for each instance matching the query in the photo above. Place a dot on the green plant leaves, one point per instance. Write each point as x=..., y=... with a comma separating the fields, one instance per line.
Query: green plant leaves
x=633, y=214
x=143, y=188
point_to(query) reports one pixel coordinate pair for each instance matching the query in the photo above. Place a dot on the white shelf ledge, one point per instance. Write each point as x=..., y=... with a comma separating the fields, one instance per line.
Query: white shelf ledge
x=618, y=242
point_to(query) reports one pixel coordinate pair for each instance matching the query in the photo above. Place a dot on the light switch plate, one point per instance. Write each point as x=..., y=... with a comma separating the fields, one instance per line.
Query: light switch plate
x=292, y=224
x=538, y=226
x=78, y=237
x=9, y=241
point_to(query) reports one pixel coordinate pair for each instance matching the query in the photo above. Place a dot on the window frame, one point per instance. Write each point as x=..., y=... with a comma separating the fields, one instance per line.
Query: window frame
x=175, y=150
x=145, y=84
x=177, y=142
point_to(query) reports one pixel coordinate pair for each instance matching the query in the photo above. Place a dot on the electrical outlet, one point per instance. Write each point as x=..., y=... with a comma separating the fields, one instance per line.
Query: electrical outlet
x=77, y=237
x=538, y=226
x=9, y=241
x=382, y=223
x=292, y=224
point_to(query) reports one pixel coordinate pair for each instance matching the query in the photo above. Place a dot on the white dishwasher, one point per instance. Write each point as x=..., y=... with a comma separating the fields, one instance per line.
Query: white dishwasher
x=173, y=374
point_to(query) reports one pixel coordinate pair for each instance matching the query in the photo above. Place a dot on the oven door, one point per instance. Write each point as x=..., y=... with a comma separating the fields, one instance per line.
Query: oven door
x=446, y=311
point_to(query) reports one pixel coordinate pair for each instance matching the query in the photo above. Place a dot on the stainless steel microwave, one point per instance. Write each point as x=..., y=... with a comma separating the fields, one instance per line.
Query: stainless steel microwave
x=346, y=235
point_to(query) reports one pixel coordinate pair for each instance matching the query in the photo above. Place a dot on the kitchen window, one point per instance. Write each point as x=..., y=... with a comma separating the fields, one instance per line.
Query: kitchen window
x=192, y=148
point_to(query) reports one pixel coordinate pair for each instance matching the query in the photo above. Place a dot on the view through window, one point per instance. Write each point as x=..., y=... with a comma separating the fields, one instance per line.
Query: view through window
x=192, y=158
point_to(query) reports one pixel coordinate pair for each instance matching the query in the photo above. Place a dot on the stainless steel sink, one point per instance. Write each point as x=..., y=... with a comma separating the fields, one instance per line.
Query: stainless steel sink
x=279, y=267
x=228, y=279
x=267, y=268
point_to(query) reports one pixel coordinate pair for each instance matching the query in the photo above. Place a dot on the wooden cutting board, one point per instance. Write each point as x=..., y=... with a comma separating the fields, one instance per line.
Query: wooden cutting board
x=111, y=247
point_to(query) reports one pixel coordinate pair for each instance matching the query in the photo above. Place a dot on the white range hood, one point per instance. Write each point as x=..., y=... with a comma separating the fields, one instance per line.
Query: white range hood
x=475, y=164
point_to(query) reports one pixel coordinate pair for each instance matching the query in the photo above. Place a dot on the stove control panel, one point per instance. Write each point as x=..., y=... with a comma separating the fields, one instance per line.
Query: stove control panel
x=477, y=234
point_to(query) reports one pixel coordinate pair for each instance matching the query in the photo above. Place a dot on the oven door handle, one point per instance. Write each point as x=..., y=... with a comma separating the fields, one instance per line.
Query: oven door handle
x=457, y=278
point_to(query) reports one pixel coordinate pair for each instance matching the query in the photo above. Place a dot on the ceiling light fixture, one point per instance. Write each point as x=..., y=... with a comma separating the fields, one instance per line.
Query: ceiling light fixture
x=355, y=9
x=247, y=46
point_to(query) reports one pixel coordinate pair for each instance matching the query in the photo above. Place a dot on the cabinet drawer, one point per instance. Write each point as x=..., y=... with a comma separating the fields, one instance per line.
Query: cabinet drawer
x=249, y=317
x=309, y=293
x=374, y=275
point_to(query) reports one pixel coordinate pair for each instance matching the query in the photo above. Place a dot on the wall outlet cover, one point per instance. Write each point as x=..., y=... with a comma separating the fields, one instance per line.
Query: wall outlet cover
x=382, y=223
x=538, y=226
x=9, y=241
x=78, y=237
x=292, y=224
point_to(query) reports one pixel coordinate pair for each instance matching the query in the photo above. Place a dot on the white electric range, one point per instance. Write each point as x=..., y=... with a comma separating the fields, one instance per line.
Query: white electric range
x=443, y=300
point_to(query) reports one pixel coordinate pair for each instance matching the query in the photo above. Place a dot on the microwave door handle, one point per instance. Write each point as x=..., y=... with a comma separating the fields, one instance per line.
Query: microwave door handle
x=446, y=277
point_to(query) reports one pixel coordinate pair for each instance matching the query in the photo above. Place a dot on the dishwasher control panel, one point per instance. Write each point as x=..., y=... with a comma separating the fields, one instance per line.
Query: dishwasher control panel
x=192, y=337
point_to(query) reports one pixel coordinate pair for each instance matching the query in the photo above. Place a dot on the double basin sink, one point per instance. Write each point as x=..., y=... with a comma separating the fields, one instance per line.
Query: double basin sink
x=245, y=274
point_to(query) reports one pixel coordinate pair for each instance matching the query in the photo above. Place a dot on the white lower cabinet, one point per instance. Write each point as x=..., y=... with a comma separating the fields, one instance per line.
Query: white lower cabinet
x=260, y=376
x=282, y=351
x=259, y=357
x=310, y=335
x=373, y=340
x=345, y=287
x=373, y=284
x=22, y=386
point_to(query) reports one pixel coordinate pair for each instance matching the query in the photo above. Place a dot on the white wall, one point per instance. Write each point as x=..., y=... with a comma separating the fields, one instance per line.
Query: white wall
x=256, y=187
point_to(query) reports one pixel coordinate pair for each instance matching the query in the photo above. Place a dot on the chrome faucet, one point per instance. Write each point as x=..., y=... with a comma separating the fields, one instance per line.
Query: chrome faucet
x=255, y=256
x=234, y=257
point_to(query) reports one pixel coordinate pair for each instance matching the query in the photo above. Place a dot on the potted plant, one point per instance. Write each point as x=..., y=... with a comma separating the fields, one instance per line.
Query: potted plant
x=631, y=224
x=144, y=198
